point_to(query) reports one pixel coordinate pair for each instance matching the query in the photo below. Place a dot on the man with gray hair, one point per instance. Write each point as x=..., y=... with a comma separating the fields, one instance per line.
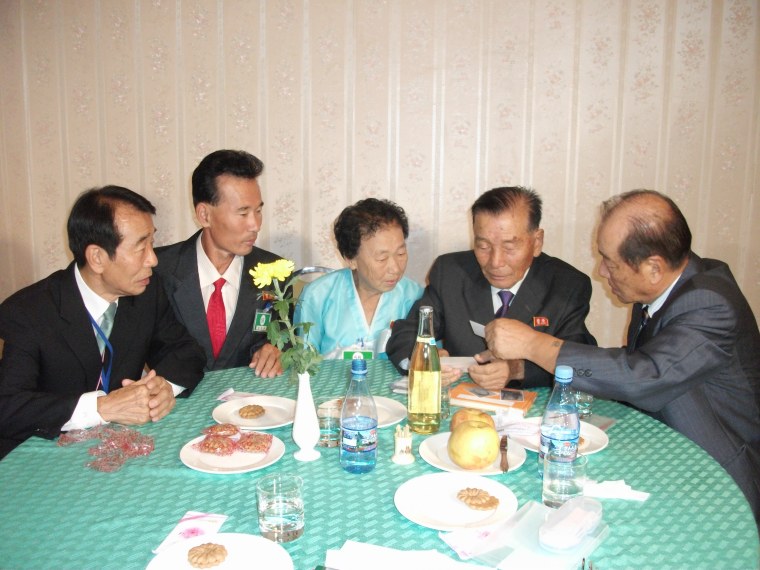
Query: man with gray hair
x=505, y=273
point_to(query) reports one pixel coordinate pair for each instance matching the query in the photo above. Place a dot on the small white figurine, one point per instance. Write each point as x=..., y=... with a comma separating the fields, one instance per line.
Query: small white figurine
x=403, y=450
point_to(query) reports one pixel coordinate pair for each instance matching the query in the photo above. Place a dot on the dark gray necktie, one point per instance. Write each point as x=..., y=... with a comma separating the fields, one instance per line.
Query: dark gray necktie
x=642, y=324
x=506, y=298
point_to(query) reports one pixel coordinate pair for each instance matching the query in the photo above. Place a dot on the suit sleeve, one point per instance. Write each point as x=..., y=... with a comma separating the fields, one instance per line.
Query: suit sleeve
x=690, y=346
x=404, y=331
x=173, y=352
x=25, y=408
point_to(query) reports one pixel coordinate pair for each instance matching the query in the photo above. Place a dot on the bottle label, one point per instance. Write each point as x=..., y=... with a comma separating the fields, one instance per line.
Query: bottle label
x=358, y=440
x=567, y=448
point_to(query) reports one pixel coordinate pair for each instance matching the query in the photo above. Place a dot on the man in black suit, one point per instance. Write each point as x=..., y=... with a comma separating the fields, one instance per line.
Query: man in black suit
x=54, y=376
x=544, y=292
x=693, y=355
x=206, y=277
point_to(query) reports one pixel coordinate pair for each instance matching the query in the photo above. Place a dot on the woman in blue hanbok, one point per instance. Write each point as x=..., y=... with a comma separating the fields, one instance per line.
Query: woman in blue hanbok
x=352, y=309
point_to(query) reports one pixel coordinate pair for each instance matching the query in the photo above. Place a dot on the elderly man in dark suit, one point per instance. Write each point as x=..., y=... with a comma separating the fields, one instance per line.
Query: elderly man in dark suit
x=505, y=273
x=206, y=277
x=76, y=343
x=693, y=353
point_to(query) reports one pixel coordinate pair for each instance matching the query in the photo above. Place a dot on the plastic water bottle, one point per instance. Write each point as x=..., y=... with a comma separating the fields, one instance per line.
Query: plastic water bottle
x=358, y=422
x=560, y=426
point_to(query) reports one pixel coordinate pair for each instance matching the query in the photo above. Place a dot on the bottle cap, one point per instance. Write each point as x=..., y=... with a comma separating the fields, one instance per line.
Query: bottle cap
x=563, y=373
x=358, y=364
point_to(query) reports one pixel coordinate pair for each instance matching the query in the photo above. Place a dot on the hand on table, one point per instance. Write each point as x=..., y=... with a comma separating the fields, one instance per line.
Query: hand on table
x=266, y=361
x=138, y=401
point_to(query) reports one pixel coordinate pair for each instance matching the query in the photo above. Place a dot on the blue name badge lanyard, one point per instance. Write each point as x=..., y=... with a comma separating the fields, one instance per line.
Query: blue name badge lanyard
x=105, y=373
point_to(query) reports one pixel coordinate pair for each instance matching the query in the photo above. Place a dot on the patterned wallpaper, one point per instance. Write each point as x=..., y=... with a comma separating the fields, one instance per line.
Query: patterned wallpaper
x=426, y=102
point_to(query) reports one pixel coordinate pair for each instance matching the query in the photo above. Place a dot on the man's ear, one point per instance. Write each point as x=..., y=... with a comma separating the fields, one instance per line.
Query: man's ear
x=96, y=257
x=203, y=213
x=538, y=243
x=655, y=268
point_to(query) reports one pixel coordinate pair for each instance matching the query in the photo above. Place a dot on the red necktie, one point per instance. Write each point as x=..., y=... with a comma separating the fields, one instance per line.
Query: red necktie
x=217, y=318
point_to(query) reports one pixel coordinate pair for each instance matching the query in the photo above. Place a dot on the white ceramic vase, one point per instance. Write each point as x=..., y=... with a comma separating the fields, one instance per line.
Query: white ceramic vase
x=305, y=423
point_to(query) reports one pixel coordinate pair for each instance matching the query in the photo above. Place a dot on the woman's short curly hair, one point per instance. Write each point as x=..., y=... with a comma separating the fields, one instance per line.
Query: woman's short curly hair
x=362, y=220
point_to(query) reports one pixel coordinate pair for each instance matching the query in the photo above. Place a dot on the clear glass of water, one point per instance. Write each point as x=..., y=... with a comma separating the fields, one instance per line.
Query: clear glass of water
x=280, y=507
x=564, y=478
x=328, y=415
x=583, y=401
x=445, y=402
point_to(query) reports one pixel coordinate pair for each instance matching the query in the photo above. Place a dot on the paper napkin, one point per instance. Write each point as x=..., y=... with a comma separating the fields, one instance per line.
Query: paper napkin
x=506, y=425
x=193, y=523
x=230, y=394
x=360, y=556
x=613, y=490
x=400, y=386
x=514, y=543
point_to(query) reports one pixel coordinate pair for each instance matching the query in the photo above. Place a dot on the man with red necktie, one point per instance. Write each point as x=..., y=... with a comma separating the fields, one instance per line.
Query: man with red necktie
x=206, y=276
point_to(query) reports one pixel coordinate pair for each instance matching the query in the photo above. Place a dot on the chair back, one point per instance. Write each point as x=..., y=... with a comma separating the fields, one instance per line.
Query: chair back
x=307, y=275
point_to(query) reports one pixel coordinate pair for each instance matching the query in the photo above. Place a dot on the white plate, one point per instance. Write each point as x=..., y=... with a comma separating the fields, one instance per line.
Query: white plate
x=279, y=412
x=238, y=462
x=431, y=501
x=389, y=411
x=434, y=451
x=594, y=438
x=242, y=550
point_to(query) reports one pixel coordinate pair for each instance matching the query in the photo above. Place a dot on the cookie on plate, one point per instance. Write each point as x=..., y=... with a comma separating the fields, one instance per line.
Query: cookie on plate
x=206, y=555
x=478, y=499
x=252, y=411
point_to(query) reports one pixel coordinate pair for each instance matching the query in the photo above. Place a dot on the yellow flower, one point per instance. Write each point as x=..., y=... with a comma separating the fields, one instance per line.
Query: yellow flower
x=263, y=273
x=298, y=353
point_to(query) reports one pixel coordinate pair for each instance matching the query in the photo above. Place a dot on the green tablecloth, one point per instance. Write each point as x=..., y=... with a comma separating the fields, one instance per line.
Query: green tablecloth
x=55, y=513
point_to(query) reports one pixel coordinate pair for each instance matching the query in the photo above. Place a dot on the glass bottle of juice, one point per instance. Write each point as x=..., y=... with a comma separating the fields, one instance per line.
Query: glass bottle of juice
x=424, y=404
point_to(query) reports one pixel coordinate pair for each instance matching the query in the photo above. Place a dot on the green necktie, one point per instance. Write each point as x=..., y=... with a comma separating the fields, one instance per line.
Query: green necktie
x=106, y=324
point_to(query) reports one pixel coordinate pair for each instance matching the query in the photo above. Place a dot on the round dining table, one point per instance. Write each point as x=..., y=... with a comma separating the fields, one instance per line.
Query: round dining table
x=55, y=512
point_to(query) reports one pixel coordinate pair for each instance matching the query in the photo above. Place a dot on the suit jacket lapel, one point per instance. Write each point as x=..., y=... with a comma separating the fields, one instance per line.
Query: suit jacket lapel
x=74, y=321
x=528, y=299
x=478, y=296
x=654, y=322
x=187, y=295
x=244, y=311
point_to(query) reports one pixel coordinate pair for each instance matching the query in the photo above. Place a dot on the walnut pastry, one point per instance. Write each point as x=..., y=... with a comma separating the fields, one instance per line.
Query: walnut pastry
x=478, y=499
x=206, y=555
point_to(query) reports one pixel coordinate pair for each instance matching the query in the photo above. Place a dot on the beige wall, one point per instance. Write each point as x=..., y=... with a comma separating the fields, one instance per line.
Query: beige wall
x=426, y=102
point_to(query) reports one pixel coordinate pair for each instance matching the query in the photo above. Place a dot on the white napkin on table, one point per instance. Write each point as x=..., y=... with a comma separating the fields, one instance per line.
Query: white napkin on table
x=360, y=556
x=401, y=385
x=506, y=425
x=613, y=490
x=231, y=394
x=514, y=544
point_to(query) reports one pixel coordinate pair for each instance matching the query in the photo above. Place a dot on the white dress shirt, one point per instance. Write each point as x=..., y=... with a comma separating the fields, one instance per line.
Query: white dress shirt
x=208, y=274
x=657, y=304
x=513, y=289
x=86, y=413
